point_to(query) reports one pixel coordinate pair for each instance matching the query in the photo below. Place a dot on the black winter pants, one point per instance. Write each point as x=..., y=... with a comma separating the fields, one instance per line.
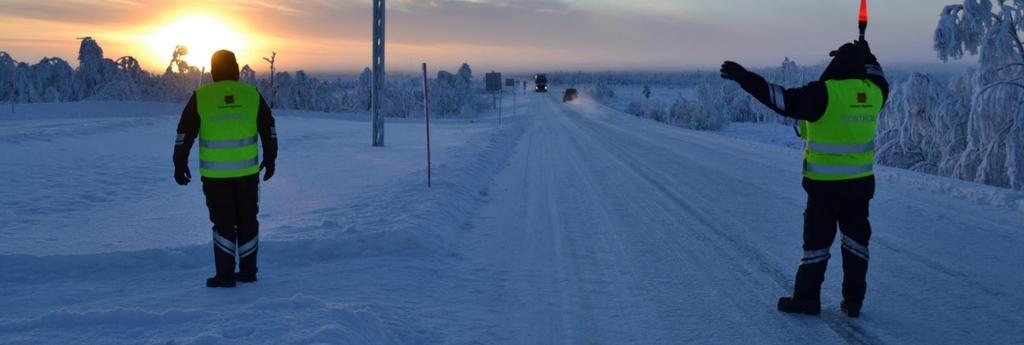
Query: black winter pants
x=234, y=204
x=842, y=203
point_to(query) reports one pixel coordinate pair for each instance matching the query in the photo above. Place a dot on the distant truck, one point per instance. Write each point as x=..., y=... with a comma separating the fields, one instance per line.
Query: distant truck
x=570, y=95
x=540, y=81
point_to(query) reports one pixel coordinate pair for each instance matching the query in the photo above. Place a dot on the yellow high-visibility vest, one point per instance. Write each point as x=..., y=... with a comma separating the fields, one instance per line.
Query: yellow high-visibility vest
x=841, y=145
x=227, y=129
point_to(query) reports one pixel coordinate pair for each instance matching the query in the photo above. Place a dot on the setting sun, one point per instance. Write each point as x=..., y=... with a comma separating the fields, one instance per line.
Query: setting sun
x=201, y=34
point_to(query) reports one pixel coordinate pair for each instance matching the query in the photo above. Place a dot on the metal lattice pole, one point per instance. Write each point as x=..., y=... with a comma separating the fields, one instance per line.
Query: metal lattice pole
x=426, y=117
x=378, y=71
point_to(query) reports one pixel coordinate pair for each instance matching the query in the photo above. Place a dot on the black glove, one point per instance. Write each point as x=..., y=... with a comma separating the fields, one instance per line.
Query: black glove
x=182, y=175
x=862, y=45
x=733, y=71
x=865, y=49
x=270, y=166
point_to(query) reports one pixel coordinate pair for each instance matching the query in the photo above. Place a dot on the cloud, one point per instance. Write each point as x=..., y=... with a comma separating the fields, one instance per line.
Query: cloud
x=72, y=11
x=570, y=34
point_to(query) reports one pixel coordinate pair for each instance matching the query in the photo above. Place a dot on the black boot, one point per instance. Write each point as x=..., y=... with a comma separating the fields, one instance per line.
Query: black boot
x=220, y=282
x=245, y=277
x=850, y=309
x=795, y=306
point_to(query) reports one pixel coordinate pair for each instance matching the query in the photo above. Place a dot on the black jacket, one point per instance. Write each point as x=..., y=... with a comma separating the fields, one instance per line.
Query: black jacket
x=188, y=130
x=810, y=101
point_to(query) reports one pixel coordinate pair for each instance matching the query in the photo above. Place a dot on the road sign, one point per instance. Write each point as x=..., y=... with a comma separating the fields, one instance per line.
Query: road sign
x=493, y=81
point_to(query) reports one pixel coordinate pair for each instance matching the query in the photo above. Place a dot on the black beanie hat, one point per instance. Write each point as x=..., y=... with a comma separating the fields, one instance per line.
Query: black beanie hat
x=223, y=66
x=847, y=63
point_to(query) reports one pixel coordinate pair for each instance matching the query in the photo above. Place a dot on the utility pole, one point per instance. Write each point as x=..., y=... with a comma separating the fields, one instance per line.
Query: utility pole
x=511, y=84
x=378, y=71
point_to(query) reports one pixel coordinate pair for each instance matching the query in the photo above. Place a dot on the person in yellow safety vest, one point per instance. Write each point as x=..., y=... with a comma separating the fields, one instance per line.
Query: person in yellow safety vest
x=228, y=117
x=837, y=118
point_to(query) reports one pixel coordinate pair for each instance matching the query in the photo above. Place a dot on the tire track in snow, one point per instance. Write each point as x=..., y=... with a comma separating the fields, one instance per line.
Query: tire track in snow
x=739, y=150
x=910, y=266
x=718, y=236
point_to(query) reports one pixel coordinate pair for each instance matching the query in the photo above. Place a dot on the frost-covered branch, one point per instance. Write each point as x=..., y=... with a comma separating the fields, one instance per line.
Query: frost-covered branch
x=978, y=132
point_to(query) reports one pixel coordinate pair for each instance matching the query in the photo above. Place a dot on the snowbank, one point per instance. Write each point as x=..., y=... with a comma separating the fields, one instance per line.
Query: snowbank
x=334, y=197
x=781, y=135
x=322, y=322
x=400, y=218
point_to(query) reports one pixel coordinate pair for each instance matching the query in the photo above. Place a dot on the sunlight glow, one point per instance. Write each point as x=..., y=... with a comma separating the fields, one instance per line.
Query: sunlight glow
x=202, y=35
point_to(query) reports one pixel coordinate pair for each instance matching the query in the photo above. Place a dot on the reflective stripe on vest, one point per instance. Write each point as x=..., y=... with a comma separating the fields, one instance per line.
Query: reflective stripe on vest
x=840, y=149
x=228, y=144
x=840, y=145
x=227, y=129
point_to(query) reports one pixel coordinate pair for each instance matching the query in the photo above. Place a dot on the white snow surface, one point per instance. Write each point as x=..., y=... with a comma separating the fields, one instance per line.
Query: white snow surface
x=569, y=223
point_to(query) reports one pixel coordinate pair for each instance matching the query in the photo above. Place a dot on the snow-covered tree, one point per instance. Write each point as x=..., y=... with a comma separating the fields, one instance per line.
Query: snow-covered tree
x=98, y=78
x=994, y=151
x=8, y=67
x=300, y=92
x=92, y=68
x=650, y=108
x=247, y=75
x=281, y=98
x=364, y=93
x=712, y=110
x=466, y=96
x=690, y=114
x=179, y=79
x=177, y=63
x=402, y=97
x=599, y=91
x=788, y=75
x=453, y=94
x=738, y=103
x=951, y=118
x=442, y=94
x=910, y=137
x=25, y=87
x=53, y=77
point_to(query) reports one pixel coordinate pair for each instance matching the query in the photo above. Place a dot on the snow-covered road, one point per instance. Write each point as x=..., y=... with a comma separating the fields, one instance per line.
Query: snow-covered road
x=617, y=230
x=571, y=224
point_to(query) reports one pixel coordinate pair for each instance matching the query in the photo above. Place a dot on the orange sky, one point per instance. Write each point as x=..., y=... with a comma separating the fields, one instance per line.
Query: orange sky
x=333, y=35
x=150, y=31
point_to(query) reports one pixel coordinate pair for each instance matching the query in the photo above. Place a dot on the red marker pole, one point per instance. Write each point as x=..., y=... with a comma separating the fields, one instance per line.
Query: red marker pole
x=863, y=19
x=426, y=116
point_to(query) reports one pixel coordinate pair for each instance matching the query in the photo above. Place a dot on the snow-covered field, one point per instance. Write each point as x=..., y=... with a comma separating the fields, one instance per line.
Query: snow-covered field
x=666, y=94
x=567, y=224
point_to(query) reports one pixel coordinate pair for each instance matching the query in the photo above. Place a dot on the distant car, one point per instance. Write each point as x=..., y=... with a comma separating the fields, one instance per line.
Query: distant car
x=540, y=81
x=570, y=95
